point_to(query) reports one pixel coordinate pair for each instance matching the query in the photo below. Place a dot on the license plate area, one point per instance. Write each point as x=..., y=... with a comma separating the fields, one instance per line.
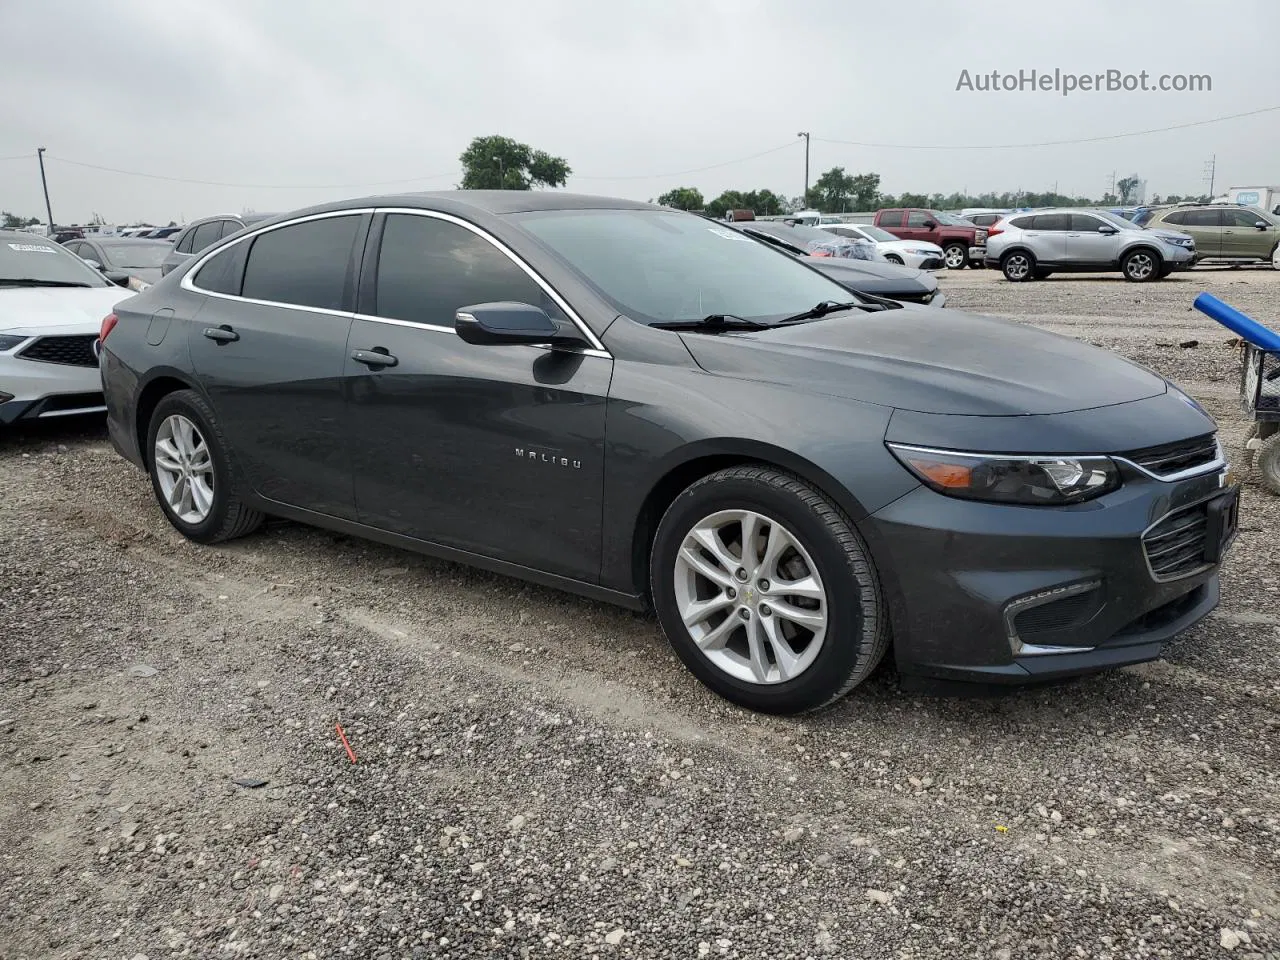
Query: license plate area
x=1224, y=520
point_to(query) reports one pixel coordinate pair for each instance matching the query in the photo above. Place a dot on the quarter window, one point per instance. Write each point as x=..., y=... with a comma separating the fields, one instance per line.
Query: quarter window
x=206, y=234
x=221, y=274
x=184, y=245
x=1022, y=223
x=429, y=268
x=304, y=264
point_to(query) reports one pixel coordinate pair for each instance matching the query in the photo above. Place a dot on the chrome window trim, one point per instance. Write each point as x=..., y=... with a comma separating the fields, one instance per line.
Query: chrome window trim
x=1217, y=464
x=597, y=348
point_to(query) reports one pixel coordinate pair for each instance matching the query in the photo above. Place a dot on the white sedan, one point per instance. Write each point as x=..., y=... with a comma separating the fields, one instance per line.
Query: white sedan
x=52, y=305
x=910, y=253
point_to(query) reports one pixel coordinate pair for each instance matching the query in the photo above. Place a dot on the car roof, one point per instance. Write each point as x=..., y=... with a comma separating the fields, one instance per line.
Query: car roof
x=128, y=241
x=495, y=202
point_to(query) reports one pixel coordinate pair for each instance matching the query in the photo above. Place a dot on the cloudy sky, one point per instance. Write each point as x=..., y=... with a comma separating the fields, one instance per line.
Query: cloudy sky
x=290, y=103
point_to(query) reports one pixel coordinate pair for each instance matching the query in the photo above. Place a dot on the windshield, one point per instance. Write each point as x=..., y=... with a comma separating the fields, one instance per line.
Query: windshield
x=876, y=233
x=948, y=220
x=661, y=267
x=1120, y=223
x=136, y=256
x=31, y=258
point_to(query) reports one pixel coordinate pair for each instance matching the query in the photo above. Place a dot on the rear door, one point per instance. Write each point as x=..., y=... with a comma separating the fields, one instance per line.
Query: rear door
x=1242, y=237
x=269, y=346
x=495, y=450
x=1204, y=226
x=1083, y=244
x=892, y=220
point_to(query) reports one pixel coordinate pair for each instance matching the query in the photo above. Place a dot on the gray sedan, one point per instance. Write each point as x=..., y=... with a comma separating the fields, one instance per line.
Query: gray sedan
x=652, y=409
x=122, y=255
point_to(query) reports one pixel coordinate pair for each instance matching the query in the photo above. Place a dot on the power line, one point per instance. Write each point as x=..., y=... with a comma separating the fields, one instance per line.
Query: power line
x=681, y=173
x=21, y=156
x=250, y=186
x=1050, y=143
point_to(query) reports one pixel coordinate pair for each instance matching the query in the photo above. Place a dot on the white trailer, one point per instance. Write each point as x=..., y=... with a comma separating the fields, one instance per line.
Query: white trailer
x=1264, y=198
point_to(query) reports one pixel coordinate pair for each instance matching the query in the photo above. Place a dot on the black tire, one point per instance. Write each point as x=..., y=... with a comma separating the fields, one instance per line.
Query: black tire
x=1165, y=271
x=1018, y=266
x=1247, y=453
x=893, y=258
x=958, y=252
x=1141, y=265
x=1267, y=460
x=228, y=517
x=857, y=633
x=1041, y=273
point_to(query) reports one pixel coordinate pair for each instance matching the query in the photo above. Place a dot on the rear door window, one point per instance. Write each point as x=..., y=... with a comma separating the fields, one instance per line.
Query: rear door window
x=305, y=264
x=892, y=218
x=1202, y=218
x=1022, y=223
x=429, y=268
x=1052, y=221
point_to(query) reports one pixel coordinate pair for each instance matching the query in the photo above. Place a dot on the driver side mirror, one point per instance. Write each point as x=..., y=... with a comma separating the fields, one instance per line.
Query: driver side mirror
x=507, y=322
x=1260, y=224
x=1107, y=229
x=929, y=224
x=93, y=263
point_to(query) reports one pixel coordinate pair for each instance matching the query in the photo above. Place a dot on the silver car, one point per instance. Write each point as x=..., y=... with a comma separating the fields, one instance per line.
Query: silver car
x=199, y=234
x=1031, y=246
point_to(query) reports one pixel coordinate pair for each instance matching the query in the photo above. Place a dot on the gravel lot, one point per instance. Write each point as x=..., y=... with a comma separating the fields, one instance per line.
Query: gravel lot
x=538, y=776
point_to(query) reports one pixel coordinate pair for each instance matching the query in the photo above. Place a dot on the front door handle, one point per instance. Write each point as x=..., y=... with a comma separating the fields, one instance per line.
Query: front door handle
x=375, y=358
x=221, y=334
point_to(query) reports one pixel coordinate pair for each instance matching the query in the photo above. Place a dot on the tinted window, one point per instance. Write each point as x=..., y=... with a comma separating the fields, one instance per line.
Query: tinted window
x=1242, y=218
x=1022, y=223
x=1178, y=216
x=917, y=218
x=844, y=232
x=892, y=219
x=428, y=268
x=305, y=264
x=1084, y=223
x=230, y=226
x=1053, y=221
x=1201, y=218
x=222, y=273
x=184, y=245
x=206, y=234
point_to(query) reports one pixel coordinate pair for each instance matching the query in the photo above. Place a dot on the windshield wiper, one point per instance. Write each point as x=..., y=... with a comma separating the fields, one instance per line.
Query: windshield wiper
x=32, y=282
x=820, y=310
x=715, y=322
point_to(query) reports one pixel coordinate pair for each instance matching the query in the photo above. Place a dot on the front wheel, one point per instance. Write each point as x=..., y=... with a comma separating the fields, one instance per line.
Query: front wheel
x=1018, y=266
x=1140, y=266
x=893, y=258
x=766, y=591
x=191, y=472
x=955, y=255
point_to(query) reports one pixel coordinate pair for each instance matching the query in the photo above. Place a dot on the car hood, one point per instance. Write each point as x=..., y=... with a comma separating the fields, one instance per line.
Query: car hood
x=41, y=309
x=909, y=245
x=1174, y=234
x=930, y=361
x=871, y=276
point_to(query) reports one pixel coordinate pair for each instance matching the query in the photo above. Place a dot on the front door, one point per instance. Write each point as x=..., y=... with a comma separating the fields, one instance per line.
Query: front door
x=1084, y=245
x=1242, y=237
x=269, y=346
x=496, y=450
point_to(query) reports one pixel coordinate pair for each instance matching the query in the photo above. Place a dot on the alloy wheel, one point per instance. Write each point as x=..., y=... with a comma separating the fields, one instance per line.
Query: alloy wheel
x=184, y=469
x=1017, y=266
x=955, y=257
x=1140, y=266
x=751, y=597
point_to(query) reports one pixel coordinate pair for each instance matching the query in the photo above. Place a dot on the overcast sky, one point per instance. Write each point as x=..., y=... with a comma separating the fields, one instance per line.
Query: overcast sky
x=324, y=99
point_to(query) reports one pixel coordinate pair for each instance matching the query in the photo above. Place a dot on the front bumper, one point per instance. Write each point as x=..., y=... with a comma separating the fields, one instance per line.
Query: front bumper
x=989, y=595
x=978, y=254
x=31, y=389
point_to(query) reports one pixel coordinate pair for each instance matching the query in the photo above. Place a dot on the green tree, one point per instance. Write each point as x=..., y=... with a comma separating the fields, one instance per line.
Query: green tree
x=500, y=163
x=14, y=222
x=682, y=198
x=764, y=203
x=913, y=200
x=1128, y=187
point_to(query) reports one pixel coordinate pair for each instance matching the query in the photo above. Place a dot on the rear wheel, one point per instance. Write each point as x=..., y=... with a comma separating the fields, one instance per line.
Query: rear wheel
x=191, y=473
x=955, y=255
x=1141, y=265
x=766, y=591
x=1018, y=265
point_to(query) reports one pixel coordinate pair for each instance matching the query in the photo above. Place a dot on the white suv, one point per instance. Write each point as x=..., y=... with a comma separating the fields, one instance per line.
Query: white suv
x=1029, y=246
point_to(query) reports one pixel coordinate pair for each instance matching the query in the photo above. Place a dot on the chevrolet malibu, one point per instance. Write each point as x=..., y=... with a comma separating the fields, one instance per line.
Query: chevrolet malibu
x=645, y=407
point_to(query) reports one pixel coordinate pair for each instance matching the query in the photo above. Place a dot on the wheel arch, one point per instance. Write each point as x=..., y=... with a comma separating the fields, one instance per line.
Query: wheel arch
x=159, y=385
x=698, y=460
x=1143, y=245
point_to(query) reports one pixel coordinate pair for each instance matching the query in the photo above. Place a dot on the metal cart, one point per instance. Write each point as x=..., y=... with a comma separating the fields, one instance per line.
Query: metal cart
x=1260, y=393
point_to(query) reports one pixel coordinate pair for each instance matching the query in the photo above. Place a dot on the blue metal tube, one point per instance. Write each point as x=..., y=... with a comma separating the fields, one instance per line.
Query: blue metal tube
x=1237, y=322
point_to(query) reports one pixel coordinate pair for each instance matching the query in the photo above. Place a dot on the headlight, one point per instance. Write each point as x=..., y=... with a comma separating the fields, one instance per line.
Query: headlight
x=922, y=253
x=1180, y=241
x=8, y=341
x=1042, y=480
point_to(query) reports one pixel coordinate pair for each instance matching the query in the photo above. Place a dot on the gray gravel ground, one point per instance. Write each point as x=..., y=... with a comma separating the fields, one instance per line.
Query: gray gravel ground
x=538, y=776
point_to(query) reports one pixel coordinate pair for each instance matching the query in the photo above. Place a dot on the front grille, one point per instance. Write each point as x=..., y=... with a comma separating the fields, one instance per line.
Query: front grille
x=76, y=351
x=1170, y=458
x=1175, y=546
x=924, y=297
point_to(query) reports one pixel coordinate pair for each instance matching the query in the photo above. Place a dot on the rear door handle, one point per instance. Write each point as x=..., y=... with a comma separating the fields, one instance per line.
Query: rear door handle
x=375, y=358
x=221, y=334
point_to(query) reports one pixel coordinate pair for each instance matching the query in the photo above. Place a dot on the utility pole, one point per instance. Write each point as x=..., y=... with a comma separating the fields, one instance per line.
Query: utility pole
x=45, y=183
x=1112, y=191
x=502, y=173
x=805, y=134
x=1210, y=171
